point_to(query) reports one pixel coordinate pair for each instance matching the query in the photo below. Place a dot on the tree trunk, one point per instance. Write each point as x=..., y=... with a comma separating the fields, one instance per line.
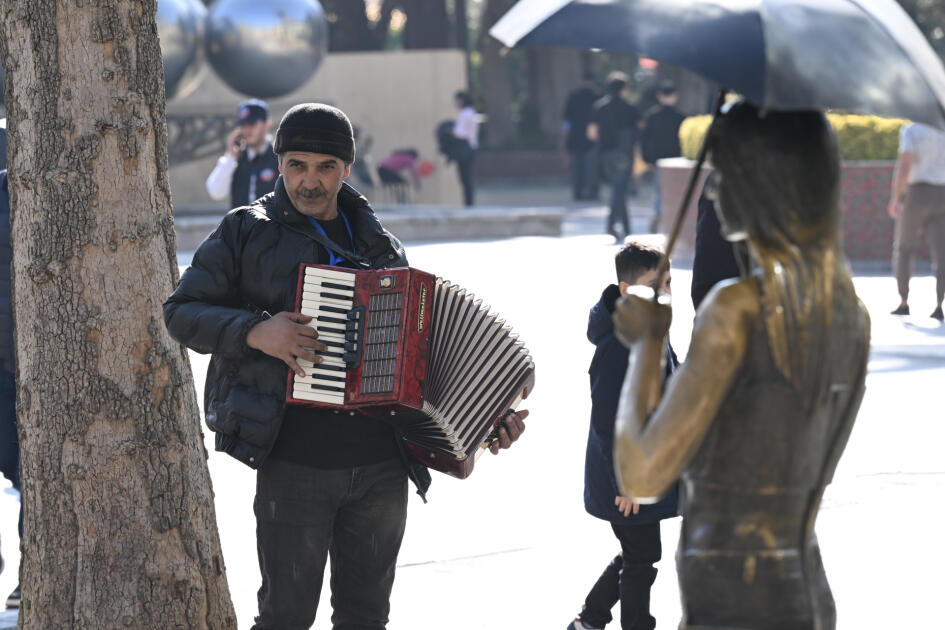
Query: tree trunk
x=495, y=79
x=554, y=73
x=349, y=28
x=120, y=525
x=428, y=24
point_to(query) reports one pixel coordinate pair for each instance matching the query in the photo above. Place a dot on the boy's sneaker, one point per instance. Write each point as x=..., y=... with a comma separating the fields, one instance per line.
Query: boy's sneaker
x=577, y=624
x=13, y=601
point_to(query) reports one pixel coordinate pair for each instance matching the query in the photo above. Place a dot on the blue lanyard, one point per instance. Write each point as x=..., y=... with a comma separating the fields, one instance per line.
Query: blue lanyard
x=334, y=259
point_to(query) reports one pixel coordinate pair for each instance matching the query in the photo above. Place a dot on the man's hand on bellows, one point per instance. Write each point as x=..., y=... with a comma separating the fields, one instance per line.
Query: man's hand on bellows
x=510, y=429
x=285, y=336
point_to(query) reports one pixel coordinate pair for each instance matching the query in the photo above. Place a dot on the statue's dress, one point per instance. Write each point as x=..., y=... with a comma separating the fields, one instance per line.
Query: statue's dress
x=747, y=557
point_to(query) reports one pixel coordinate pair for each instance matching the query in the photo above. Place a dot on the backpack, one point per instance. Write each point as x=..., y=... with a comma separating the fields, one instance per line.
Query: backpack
x=445, y=140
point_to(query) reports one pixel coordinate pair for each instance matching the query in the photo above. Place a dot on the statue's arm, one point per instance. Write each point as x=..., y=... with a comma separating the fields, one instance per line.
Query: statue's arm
x=656, y=437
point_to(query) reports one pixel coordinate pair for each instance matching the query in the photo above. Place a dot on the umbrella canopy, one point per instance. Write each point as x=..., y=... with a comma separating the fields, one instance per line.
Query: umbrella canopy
x=857, y=55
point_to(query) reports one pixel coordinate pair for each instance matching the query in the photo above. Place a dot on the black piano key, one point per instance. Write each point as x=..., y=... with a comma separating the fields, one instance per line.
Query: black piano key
x=333, y=309
x=326, y=377
x=328, y=388
x=335, y=285
x=336, y=296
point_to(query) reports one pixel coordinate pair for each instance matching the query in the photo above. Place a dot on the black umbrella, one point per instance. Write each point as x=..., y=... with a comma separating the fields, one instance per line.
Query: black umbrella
x=857, y=55
x=865, y=56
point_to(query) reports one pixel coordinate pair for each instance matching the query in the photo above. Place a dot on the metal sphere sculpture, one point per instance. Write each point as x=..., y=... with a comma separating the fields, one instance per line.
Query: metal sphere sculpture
x=181, y=27
x=266, y=49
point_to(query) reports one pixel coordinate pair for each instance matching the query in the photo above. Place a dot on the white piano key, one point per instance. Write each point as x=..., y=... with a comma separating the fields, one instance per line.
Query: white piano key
x=342, y=276
x=322, y=397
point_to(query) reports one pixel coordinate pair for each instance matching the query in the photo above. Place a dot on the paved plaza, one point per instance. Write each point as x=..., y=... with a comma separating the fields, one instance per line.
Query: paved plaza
x=511, y=547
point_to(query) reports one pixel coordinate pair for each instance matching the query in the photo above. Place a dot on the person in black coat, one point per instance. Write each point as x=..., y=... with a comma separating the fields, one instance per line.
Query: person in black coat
x=660, y=139
x=9, y=442
x=630, y=575
x=615, y=127
x=327, y=483
x=715, y=258
x=581, y=154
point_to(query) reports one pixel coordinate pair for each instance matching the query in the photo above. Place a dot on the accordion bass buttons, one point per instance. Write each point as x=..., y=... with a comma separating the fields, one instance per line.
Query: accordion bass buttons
x=353, y=330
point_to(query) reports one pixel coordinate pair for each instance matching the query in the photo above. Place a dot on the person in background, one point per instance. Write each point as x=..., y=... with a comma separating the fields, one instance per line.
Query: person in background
x=615, y=127
x=917, y=203
x=660, y=138
x=391, y=167
x=466, y=132
x=391, y=172
x=630, y=575
x=581, y=158
x=9, y=442
x=249, y=168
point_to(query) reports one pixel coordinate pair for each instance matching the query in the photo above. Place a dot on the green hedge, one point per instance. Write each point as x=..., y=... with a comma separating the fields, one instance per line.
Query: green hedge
x=860, y=137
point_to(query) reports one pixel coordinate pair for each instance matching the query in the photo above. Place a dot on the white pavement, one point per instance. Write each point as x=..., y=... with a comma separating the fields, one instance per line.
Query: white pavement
x=511, y=547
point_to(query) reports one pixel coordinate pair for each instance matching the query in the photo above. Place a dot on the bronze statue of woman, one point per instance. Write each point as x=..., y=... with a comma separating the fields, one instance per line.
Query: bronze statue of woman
x=755, y=420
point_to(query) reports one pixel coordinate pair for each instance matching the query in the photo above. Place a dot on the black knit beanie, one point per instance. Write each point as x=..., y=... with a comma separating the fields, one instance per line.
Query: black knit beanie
x=316, y=128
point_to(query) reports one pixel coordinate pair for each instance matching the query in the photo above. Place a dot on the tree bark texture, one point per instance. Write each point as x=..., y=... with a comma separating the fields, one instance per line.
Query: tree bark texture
x=349, y=28
x=120, y=528
x=553, y=74
x=428, y=24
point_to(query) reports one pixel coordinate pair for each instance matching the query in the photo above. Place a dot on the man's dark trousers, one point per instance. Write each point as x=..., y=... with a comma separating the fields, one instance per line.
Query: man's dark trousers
x=465, y=158
x=618, y=168
x=640, y=548
x=304, y=515
x=583, y=174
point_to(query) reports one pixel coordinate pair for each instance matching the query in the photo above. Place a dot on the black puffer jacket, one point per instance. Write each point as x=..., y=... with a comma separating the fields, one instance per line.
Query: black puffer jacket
x=246, y=269
x=7, y=359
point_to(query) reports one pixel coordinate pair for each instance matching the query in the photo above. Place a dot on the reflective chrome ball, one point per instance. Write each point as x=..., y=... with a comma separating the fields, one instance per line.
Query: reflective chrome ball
x=266, y=48
x=180, y=25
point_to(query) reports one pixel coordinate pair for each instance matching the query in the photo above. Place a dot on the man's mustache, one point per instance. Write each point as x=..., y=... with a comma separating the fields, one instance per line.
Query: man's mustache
x=310, y=193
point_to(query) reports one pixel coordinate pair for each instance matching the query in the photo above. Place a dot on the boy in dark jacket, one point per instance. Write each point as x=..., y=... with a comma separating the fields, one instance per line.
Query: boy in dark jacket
x=630, y=575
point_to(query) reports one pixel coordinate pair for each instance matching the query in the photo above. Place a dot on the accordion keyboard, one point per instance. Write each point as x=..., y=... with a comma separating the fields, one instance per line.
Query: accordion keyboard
x=328, y=297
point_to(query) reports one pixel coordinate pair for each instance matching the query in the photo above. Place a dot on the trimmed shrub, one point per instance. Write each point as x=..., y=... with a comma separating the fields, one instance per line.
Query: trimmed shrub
x=861, y=138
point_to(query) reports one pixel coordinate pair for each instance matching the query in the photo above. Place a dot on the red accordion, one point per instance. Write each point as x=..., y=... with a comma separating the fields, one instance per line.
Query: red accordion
x=416, y=350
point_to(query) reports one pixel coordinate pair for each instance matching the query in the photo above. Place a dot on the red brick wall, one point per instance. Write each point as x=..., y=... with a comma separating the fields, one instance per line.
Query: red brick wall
x=867, y=231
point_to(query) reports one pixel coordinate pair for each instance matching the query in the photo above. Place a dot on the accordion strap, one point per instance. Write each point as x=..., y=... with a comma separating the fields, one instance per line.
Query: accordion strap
x=327, y=243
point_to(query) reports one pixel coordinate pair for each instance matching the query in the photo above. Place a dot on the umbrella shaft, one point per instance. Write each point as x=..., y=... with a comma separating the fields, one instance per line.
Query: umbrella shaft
x=690, y=190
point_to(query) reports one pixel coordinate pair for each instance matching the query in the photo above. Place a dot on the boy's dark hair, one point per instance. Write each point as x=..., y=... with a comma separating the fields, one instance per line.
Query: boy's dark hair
x=634, y=259
x=464, y=97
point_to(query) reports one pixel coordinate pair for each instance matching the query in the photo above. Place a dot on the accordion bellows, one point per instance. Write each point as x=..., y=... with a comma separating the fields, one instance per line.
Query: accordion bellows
x=416, y=350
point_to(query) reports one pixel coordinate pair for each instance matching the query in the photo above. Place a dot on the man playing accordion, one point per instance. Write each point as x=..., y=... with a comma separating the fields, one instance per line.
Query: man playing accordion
x=327, y=482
